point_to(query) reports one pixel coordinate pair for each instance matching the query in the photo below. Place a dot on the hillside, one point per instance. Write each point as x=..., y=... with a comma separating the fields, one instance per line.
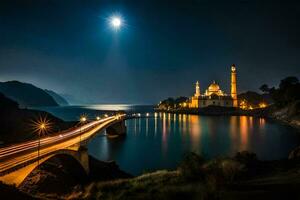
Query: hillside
x=59, y=99
x=17, y=124
x=27, y=95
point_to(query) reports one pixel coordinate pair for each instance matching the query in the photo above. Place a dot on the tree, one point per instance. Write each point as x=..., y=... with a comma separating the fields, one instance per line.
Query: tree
x=288, y=82
x=264, y=88
x=288, y=91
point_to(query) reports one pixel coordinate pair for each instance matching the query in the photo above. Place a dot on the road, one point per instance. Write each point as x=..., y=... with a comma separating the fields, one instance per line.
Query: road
x=19, y=154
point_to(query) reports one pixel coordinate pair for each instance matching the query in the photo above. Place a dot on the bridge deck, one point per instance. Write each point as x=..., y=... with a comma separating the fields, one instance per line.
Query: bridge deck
x=14, y=157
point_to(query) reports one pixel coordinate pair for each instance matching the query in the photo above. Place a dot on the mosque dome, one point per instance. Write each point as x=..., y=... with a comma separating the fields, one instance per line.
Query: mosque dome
x=214, y=87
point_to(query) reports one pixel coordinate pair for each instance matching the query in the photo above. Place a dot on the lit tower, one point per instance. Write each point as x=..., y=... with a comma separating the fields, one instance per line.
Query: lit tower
x=197, y=93
x=233, y=86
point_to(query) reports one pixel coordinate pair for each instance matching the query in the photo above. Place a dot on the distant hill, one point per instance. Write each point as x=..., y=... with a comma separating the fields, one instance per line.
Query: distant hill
x=26, y=94
x=59, y=99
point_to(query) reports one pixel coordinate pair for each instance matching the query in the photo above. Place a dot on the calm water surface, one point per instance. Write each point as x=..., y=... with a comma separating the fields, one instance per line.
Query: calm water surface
x=159, y=141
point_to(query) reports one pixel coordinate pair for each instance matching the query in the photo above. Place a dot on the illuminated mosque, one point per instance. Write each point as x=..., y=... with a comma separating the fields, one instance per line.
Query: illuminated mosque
x=214, y=95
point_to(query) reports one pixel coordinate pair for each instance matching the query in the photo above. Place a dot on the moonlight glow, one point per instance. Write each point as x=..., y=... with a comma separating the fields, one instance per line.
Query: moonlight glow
x=116, y=22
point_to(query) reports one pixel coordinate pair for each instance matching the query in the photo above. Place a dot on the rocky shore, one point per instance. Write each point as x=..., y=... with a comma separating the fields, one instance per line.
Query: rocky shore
x=289, y=115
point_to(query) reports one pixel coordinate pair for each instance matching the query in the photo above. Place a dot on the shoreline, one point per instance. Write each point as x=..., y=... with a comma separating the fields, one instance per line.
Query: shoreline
x=267, y=113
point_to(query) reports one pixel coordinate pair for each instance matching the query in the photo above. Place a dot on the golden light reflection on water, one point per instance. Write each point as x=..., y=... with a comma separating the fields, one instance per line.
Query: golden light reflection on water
x=192, y=129
x=164, y=134
x=184, y=123
x=174, y=122
x=244, y=126
x=250, y=122
x=233, y=127
x=262, y=123
x=155, y=124
x=180, y=122
x=196, y=131
x=240, y=129
x=164, y=128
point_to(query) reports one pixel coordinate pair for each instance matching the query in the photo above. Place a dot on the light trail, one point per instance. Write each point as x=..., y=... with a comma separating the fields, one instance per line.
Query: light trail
x=15, y=155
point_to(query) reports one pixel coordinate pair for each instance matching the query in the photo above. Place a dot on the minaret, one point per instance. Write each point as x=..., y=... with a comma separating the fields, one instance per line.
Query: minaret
x=197, y=93
x=233, y=86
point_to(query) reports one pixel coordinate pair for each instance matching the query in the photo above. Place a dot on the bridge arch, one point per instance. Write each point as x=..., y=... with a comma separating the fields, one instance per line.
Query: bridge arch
x=18, y=176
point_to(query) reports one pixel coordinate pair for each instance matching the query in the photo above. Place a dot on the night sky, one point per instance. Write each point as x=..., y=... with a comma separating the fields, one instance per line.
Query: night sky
x=165, y=46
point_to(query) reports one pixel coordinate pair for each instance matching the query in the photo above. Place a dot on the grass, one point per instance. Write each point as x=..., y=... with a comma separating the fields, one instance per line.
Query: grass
x=195, y=178
x=157, y=185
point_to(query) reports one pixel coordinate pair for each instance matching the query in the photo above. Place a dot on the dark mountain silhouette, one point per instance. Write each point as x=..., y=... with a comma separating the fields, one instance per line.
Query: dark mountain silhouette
x=17, y=124
x=7, y=104
x=26, y=95
x=59, y=99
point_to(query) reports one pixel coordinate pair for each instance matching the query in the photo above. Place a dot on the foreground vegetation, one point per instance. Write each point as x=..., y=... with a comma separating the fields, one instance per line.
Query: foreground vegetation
x=241, y=177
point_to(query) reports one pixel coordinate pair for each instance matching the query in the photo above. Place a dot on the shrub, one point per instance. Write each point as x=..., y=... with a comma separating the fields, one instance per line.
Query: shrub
x=246, y=157
x=223, y=170
x=190, y=166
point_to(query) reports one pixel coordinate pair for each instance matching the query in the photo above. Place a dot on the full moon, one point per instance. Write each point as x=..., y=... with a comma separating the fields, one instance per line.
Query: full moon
x=116, y=22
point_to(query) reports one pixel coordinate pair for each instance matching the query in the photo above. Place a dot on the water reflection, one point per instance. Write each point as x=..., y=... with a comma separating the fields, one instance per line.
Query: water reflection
x=233, y=127
x=155, y=124
x=159, y=142
x=262, y=122
x=147, y=126
x=195, y=124
x=135, y=126
x=244, y=132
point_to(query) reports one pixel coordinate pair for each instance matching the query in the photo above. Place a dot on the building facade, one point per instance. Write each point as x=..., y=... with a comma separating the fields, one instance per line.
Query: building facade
x=213, y=95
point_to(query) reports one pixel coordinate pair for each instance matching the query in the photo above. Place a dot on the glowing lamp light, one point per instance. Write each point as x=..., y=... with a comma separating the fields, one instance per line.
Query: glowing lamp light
x=262, y=105
x=98, y=118
x=83, y=119
x=43, y=126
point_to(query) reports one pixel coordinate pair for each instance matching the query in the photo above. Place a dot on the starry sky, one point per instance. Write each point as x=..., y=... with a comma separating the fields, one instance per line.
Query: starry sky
x=160, y=51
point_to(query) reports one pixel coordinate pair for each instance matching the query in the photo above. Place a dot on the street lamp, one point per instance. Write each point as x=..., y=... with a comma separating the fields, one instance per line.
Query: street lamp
x=41, y=126
x=82, y=121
